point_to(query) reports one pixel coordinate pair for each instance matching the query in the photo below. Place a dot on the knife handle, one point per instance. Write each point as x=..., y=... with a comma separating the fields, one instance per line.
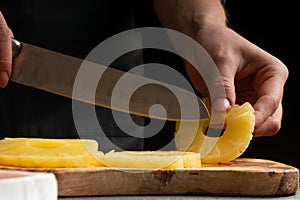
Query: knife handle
x=16, y=47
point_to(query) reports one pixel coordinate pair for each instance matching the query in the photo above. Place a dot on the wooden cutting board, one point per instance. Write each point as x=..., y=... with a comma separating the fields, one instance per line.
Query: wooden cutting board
x=241, y=177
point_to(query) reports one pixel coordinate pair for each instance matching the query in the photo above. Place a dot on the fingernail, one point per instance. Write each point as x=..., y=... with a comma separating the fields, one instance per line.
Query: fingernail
x=221, y=104
x=3, y=79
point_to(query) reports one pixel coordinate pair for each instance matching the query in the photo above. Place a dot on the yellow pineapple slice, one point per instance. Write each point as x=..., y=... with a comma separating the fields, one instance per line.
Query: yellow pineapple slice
x=152, y=159
x=238, y=129
x=48, y=153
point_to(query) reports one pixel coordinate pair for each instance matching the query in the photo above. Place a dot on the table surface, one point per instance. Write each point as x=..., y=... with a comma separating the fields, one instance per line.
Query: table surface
x=178, y=197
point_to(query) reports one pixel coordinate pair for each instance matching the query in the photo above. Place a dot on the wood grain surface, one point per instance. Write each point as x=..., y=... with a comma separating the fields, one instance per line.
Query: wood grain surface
x=241, y=177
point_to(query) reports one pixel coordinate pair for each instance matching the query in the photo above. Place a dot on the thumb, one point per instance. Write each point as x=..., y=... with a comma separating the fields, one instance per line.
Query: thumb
x=222, y=90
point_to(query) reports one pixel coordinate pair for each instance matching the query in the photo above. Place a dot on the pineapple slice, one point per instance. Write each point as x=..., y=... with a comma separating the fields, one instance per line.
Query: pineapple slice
x=152, y=159
x=48, y=153
x=55, y=153
x=239, y=126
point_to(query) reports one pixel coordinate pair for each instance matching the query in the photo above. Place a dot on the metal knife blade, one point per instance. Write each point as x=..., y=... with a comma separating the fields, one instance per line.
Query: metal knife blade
x=56, y=73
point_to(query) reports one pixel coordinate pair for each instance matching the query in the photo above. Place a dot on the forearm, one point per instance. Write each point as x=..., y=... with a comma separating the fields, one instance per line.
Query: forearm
x=189, y=16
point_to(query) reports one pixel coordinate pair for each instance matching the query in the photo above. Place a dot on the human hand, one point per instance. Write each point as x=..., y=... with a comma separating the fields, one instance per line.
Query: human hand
x=248, y=73
x=5, y=52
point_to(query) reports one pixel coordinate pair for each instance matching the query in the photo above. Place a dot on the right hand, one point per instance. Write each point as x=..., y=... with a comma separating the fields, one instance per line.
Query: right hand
x=5, y=52
x=248, y=74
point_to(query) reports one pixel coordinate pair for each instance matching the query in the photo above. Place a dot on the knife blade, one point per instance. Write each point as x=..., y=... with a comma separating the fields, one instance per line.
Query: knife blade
x=56, y=73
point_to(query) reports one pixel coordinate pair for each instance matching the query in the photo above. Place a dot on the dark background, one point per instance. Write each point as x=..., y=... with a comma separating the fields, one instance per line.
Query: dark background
x=273, y=25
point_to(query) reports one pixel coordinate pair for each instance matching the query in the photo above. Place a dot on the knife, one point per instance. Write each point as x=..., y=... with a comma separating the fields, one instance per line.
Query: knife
x=56, y=73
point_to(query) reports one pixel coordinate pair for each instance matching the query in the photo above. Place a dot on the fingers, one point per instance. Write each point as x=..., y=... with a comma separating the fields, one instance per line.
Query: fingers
x=270, y=126
x=219, y=44
x=263, y=86
x=221, y=92
x=245, y=72
x=5, y=52
x=222, y=88
x=270, y=87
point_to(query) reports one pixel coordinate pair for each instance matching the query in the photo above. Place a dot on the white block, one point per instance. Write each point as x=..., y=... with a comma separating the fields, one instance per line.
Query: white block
x=21, y=185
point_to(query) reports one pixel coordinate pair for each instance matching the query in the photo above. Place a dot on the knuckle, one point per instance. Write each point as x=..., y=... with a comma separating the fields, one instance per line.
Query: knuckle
x=275, y=126
x=285, y=72
x=272, y=102
x=282, y=69
x=222, y=57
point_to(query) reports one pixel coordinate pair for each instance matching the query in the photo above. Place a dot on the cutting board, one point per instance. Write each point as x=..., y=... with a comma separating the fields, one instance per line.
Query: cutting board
x=241, y=177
